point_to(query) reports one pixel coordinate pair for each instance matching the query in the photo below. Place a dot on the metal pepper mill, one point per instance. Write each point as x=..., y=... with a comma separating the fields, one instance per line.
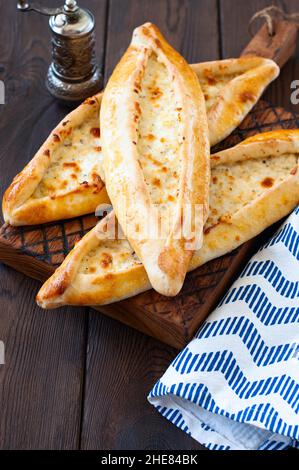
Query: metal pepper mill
x=73, y=74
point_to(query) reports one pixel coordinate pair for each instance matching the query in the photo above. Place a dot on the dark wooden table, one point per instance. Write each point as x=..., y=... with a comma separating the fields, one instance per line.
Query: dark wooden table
x=74, y=379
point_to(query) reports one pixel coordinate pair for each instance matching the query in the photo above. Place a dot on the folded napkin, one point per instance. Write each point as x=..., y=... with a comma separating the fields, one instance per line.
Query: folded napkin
x=236, y=385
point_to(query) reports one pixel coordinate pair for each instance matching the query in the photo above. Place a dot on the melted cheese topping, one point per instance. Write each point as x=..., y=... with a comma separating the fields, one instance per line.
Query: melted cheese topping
x=234, y=186
x=76, y=160
x=212, y=85
x=159, y=133
x=111, y=256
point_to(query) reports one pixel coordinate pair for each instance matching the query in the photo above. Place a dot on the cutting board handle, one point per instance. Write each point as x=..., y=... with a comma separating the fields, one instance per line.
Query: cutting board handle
x=279, y=47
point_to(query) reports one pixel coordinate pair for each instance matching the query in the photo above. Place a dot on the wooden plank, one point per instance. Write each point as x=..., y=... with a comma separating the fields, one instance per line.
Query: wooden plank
x=236, y=37
x=189, y=25
x=123, y=365
x=41, y=383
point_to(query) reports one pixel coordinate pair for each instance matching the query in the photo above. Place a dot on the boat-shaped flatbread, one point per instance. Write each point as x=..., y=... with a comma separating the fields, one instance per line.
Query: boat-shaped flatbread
x=156, y=153
x=253, y=185
x=64, y=178
x=231, y=88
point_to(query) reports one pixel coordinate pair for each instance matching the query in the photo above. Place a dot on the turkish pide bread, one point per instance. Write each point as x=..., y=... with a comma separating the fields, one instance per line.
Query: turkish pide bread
x=156, y=156
x=253, y=185
x=64, y=178
x=231, y=88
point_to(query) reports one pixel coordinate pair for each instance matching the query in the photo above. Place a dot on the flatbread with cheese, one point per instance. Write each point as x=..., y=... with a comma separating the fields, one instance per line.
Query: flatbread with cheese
x=156, y=150
x=64, y=178
x=253, y=185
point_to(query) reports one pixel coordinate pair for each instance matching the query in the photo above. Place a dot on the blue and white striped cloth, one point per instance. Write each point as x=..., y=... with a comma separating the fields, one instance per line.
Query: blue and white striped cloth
x=236, y=385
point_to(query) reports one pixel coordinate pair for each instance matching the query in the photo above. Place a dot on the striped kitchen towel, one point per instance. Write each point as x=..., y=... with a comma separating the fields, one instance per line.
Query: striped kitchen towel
x=236, y=385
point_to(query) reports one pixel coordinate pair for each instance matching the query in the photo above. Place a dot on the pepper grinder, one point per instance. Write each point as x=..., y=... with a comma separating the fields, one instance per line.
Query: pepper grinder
x=73, y=74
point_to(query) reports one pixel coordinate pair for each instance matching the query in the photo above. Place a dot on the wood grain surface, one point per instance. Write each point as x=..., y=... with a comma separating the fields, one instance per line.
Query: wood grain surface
x=73, y=378
x=37, y=250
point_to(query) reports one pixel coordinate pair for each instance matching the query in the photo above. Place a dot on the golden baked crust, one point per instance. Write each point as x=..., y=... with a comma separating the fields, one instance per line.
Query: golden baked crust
x=96, y=273
x=156, y=154
x=63, y=179
x=231, y=88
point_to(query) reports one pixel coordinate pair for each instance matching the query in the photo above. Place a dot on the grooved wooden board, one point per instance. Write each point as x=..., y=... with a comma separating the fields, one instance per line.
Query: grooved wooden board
x=36, y=251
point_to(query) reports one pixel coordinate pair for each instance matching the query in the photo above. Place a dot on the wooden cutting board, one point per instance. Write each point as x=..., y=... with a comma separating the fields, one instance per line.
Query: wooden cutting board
x=37, y=250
